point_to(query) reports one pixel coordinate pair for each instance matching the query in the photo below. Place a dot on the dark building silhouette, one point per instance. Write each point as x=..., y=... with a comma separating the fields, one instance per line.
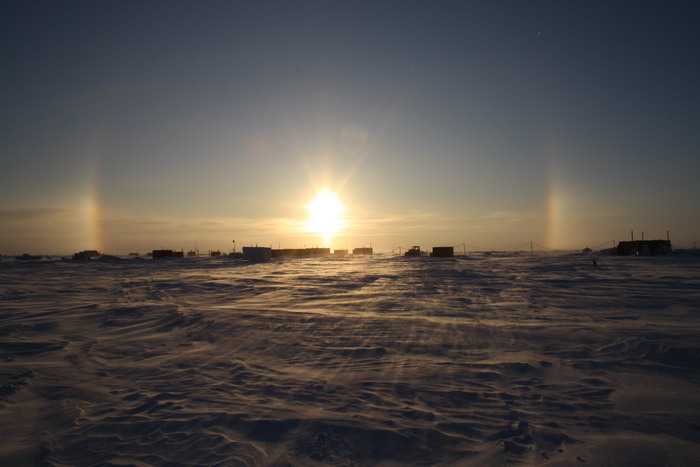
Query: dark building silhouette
x=413, y=251
x=443, y=252
x=257, y=254
x=85, y=255
x=340, y=253
x=362, y=251
x=644, y=248
x=162, y=254
x=291, y=253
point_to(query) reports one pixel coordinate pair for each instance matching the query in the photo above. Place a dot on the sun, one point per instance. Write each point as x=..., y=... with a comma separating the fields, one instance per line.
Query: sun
x=326, y=215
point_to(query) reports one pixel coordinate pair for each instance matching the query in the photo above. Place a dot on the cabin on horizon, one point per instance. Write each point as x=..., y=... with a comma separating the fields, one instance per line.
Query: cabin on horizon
x=257, y=254
x=86, y=255
x=362, y=251
x=340, y=253
x=443, y=252
x=314, y=252
x=296, y=253
x=414, y=251
x=162, y=254
x=644, y=248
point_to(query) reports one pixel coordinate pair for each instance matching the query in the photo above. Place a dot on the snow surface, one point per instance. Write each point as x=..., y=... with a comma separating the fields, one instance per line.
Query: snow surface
x=486, y=360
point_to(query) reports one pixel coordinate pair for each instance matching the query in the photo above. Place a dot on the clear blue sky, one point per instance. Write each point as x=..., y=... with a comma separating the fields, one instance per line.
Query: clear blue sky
x=136, y=125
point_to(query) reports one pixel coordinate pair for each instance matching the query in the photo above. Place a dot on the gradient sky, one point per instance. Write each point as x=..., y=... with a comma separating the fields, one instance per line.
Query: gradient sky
x=128, y=126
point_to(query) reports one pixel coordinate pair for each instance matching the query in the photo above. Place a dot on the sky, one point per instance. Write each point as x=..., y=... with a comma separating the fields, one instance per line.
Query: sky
x=129, y=126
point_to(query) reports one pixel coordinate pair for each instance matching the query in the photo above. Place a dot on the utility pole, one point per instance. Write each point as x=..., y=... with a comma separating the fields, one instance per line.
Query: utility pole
x=642, y=236
x=632, y=234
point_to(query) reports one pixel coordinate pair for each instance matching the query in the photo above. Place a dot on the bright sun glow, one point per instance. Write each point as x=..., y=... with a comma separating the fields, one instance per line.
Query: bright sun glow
x=325, y=215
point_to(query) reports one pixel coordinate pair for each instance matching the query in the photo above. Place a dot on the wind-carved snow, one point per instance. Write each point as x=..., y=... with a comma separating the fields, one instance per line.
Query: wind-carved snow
x=355, y=361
